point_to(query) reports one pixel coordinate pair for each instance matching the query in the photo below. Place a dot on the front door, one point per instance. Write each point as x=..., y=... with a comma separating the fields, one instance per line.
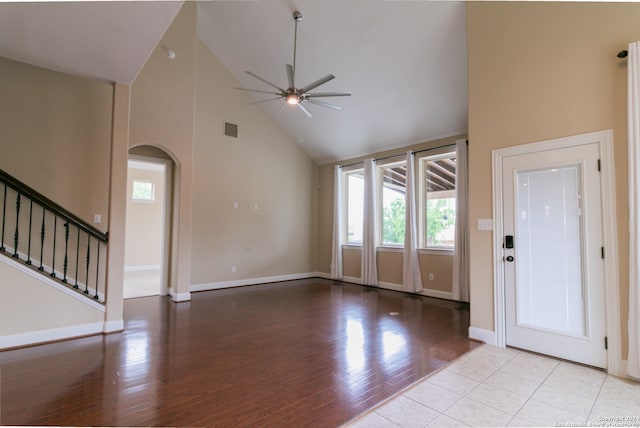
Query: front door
x=554, y=278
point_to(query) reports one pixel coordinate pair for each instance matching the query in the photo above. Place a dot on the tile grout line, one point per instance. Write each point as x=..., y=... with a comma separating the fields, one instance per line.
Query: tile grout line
x=597, y=397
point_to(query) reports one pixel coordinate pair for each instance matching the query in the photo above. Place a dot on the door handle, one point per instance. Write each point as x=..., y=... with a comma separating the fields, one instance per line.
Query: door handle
x=509, y=259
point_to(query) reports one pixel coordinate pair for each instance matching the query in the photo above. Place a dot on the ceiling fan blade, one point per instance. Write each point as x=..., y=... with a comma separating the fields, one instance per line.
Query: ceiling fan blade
x=323, y=104
x=257, y=90
x=317, y=83
x=265, y=81
x=304, y=109
x=328, y=94
x=265, y=101
x=290, y=76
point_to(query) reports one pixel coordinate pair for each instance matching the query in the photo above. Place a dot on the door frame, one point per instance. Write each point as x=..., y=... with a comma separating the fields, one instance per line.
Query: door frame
x=167, y=212
x=604, y=139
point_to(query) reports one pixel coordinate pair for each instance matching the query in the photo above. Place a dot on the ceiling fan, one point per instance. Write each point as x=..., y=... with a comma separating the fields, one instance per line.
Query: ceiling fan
x=298, y=95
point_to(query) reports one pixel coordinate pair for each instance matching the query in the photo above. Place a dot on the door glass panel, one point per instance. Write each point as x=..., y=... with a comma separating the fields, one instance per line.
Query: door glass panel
x=548, y=251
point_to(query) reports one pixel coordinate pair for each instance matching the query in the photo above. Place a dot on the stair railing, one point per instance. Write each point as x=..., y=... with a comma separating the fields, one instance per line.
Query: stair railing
x=31, y=230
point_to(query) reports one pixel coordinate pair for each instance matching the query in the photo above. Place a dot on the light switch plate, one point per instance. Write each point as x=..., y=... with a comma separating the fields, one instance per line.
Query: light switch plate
x=485, y=224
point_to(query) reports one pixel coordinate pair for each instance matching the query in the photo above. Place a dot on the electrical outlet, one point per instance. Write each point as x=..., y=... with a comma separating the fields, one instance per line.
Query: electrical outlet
x=233, y=269
x=97, y=219
x=431, y=277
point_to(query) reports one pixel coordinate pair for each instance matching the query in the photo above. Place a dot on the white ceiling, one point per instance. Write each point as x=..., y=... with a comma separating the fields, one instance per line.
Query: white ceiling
x=403, y=61
x=104, y=40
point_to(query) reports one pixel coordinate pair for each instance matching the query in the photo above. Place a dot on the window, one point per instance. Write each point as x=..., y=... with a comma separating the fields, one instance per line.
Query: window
x=393, y=179
x=439, y=207
x=143, y=191
x=354, y=203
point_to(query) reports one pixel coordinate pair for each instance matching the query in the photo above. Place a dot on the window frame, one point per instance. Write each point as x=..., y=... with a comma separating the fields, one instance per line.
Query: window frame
x=444, y=153
x=143, y=200
x=346, y=171
x=380, y=166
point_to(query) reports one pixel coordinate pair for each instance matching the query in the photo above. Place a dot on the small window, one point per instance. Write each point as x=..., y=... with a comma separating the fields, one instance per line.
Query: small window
x=439, y=180
x=354, y=204
x=143, y=191
x=393, y=179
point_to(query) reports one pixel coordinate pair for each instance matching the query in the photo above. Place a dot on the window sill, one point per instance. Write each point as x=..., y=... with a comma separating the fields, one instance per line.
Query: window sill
x=351, y=246
x=437, y=251
x=390, y=249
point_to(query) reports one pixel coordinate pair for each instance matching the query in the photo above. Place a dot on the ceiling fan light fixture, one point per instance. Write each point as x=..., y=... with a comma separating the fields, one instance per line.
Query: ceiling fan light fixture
x=294, y=95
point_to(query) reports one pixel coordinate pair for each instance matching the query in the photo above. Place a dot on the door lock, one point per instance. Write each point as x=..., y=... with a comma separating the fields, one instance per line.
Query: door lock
x=509, y=259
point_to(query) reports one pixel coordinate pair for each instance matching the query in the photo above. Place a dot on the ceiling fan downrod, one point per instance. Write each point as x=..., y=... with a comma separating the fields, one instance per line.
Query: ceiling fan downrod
x=297, y=16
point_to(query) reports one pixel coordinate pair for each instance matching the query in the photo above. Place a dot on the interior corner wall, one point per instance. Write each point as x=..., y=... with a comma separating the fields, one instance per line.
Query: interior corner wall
x=537, y=71
x=254, y=196
x=162, y=115
x=56, y=136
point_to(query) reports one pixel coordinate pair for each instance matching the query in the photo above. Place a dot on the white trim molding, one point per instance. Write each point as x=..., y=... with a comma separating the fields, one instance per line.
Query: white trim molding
x=352, y=279
x=50, y=335
x=141, y=268
x=390, y=286
x=179, y=297
x=324, y=275
x=438, y=294
x=113, y=326
x=249, y=281
x=483, y=335
x=604, y=139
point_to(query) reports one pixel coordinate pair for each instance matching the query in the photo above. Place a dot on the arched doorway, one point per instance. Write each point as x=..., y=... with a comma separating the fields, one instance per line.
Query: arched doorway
x=148, y=232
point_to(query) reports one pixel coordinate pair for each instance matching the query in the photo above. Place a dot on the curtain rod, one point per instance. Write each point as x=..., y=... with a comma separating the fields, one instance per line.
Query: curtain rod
x=400, y=154
x=623, y=54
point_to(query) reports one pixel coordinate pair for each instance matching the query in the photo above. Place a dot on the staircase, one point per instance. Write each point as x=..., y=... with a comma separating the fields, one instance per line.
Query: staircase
x=52, y=241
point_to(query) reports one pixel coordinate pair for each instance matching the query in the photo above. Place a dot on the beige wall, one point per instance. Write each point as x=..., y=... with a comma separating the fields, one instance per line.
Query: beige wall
x=27, y=305
x=262, y=168
x=145, y=221
x=56, y=136
x=389, y=263
x=390, y=268
x=162, y=115
x=539, y=71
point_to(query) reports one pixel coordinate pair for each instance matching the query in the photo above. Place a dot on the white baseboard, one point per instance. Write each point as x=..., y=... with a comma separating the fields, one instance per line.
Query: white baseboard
x=49, y=335
x=113, y=326
x=249, y=281
x=438, y=294
x=351, y=279
x=390, y=286
x=52, y=283
x=324, y=275
x=179, y=297
x=486, y=336
x=141, y=268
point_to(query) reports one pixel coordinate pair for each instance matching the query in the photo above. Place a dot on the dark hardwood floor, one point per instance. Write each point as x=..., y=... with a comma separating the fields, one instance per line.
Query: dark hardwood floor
x=300, y=353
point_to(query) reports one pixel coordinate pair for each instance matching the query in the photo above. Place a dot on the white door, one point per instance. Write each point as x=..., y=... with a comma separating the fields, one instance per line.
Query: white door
x=554, y=278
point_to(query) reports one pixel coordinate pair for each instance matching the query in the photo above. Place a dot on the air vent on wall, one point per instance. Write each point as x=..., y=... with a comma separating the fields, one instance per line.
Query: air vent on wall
x=230, y=130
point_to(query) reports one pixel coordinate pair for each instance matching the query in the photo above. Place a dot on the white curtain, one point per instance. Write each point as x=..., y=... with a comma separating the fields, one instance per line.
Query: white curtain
x=412, y=280
x=369, y=268
x=336, y=257
x=633, y=121
x=460, y=286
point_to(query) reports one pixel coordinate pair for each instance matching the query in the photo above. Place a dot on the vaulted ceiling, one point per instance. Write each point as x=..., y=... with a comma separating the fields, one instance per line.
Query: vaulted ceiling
x=403, y=61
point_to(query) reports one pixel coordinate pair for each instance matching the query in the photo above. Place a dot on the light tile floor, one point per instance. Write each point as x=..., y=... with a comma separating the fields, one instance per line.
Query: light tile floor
x=492, y=386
